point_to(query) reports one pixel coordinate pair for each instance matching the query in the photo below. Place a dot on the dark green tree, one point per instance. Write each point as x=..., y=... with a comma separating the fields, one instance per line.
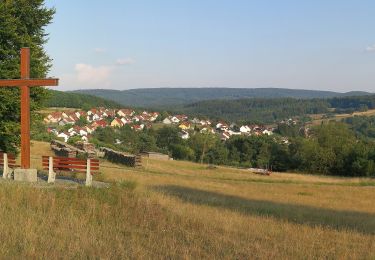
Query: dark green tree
x=167, y=136
x=201, y=143
x=22, y=24
x=182, y=152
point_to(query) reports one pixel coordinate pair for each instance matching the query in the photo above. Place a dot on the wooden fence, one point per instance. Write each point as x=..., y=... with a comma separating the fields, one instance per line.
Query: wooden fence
x=65, y=164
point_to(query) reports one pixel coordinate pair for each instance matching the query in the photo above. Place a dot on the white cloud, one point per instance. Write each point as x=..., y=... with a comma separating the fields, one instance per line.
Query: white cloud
x=89, y=74
x=371, y=48
x=126, y=61
x=100, y=50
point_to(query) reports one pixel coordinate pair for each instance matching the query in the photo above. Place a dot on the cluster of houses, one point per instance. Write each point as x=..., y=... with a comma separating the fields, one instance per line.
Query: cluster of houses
x=103, y=117
x=222, y=128
x=227, y=131
x=289, y=121
x=95, y=118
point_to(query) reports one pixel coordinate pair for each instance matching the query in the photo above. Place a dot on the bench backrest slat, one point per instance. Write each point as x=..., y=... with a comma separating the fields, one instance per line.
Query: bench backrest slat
x=71, y=164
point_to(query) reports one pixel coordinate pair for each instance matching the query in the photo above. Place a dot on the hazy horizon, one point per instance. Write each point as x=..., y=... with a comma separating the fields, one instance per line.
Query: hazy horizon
x=119, y=89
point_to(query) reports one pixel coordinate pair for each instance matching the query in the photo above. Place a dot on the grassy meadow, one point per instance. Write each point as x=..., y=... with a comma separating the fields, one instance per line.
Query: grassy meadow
x=171, y=209
x=319, y=118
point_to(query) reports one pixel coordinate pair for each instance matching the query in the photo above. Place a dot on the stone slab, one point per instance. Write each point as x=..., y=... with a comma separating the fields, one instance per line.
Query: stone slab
x=26, y=175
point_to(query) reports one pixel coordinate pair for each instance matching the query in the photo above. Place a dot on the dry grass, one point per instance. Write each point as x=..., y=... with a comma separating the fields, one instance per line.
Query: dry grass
x=318, y=118
x=185, y=210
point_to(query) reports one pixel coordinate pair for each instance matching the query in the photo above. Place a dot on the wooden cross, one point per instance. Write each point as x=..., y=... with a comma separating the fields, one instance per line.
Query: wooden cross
x=25, y=83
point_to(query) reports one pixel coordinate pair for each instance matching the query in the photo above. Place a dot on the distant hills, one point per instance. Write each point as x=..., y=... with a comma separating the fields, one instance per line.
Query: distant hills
x=233, y=105
x=164, y=98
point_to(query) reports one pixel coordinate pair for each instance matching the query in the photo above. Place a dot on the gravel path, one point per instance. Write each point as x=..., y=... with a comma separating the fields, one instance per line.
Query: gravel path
x=65, y=182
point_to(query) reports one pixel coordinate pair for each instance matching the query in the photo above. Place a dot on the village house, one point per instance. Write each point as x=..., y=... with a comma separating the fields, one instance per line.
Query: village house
x=92, y=111
x=154, y=116
x=136, y=119
x=185, y=125
x=78, y=114
x=224, y=136
x=117, y=123
x=100, y=123
x=64, y=136
x=80, y=130
x=184, y=135
x=54, y=117
x=175, y=120
x=205, y=122
x=138, y=127
x=231, y=132
x=52, y=131
x=125, y=120
x=66, y=121
x=206, y=130
x=72, y=133
x=125, y=112
x=110, y=113
x=89, y=129
x=167, y=121
x=267, y=132
x=245, y=129
x=222, y=126
x=181, y=118
x=195, y=121
x=95, y=117
x=64, y=114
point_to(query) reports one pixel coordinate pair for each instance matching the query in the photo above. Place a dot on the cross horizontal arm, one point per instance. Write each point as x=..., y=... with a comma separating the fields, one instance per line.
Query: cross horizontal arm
x=28, y=82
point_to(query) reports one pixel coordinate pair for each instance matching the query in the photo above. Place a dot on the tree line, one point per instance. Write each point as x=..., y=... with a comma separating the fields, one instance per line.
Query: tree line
x=330, y=149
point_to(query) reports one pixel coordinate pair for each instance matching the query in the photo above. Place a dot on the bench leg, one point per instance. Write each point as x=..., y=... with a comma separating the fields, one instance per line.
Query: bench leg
x=88, y=173
x=51, y=173
x=6, y=167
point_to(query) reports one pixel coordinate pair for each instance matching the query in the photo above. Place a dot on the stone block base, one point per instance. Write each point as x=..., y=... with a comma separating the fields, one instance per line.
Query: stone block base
x=26, y=175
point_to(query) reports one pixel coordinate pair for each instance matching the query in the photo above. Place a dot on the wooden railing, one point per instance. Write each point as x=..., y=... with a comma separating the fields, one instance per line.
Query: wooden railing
x=65, y=164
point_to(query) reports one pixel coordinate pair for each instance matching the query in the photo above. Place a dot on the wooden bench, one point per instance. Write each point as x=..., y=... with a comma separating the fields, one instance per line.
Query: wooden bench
x=65, y=164
x=7, y=161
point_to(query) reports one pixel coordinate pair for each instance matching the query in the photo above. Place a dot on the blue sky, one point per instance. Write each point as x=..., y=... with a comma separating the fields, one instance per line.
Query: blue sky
x=121, y=44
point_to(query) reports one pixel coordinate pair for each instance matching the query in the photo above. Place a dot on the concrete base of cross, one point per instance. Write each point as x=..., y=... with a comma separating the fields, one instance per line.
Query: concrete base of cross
x=26, y=175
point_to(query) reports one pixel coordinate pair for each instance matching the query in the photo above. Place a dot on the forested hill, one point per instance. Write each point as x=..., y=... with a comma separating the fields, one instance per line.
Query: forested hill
x=274, y=109
x=163, y=98
x=254, y=110
x=77, y=100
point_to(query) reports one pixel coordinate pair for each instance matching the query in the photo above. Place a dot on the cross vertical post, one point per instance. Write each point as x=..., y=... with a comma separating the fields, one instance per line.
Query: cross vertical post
x=24, y=83
x=25, y=110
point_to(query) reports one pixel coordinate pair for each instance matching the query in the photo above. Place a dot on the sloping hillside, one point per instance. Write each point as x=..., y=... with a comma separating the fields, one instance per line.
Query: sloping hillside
x=78, y=100
x=172, y=209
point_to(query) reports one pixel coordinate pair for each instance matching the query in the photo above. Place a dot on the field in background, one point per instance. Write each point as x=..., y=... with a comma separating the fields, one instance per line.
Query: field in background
x=318, y=118
x=171, y=209
x=50, y=110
